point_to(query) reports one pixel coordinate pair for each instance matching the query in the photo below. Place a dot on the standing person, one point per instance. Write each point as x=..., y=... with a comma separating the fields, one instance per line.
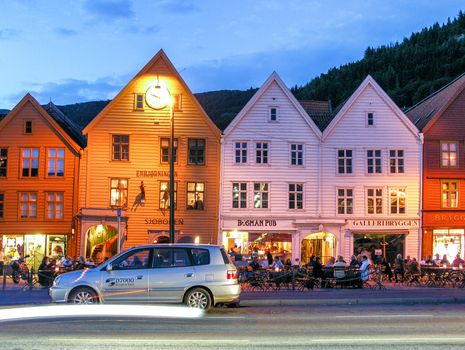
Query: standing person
x=269, y=257
x=387, y=269
x=318, y=268
x=399, y=268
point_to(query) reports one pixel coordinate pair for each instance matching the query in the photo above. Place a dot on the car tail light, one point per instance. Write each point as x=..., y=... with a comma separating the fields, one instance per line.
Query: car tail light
x=231, y=274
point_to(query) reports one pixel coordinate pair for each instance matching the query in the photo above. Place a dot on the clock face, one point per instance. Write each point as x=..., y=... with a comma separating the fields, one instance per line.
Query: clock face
x=157, y=97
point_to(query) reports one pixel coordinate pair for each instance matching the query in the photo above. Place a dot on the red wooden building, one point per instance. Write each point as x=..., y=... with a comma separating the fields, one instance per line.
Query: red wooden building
x=441, y=118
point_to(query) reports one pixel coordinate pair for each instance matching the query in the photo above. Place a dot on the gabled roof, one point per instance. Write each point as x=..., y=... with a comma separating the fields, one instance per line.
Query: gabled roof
x=68, y=138
x=348, y=104
x=66, y=123
x=321, y=112
x=159, y=56
x=274, y=77
x=425, y=113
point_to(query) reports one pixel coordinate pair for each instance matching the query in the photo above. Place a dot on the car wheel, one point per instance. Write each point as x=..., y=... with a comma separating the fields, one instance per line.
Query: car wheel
x=198, y=298
x=83, y=296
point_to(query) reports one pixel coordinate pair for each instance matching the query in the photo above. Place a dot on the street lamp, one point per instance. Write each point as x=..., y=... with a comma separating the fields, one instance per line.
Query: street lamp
x=158, y=97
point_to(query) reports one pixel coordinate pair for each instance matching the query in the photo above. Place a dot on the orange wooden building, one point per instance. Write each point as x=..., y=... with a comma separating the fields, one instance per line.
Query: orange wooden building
x=39, y=164
x=126, y=165
x=441, y=118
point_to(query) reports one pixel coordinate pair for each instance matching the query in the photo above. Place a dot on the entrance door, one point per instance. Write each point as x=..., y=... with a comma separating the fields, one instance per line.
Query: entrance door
x=128, y=280
x=171, y=275
x=322, y=244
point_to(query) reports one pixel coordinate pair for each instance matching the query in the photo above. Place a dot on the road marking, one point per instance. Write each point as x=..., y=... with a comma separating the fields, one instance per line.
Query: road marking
x=397, y=340
x=381, y=316
x=106, y=340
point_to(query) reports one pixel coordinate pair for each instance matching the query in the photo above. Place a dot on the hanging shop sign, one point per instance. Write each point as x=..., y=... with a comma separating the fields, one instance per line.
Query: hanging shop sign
x=384, y=223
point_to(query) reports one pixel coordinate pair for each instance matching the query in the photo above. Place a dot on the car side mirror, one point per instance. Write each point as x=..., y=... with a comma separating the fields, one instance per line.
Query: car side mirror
x=109, y=267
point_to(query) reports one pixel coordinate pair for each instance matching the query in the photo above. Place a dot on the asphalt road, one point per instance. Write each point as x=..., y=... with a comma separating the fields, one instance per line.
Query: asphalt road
x=325, y=327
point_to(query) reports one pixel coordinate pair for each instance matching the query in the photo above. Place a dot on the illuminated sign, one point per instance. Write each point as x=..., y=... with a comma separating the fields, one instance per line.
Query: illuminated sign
x=155, y=221
x=154, y=173
x=257, y=222
x=384, y=223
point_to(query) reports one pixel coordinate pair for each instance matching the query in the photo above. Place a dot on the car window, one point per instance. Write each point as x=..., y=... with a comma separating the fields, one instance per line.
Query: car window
x=225, y=256
x=200, y=256
x=170, y=257
x=137, y=259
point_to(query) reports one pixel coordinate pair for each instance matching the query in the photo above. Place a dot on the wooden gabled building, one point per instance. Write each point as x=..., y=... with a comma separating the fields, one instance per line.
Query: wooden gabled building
x=126, y=166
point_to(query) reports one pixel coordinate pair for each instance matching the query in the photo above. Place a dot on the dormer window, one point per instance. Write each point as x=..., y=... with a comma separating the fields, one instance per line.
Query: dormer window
x=370, y=119
x=28, y=126
x=273, y=117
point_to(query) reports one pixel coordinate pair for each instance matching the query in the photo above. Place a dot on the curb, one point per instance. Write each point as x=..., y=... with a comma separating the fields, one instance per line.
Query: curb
x=346, y=301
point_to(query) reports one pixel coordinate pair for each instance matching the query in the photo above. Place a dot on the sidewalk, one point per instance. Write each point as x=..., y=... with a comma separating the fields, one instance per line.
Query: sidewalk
x=394, y=294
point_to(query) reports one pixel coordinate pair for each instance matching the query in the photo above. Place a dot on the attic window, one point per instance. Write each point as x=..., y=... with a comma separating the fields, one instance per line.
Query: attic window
x=138, y=102
x=28, y=127
x=370, y=119
x=273, y=117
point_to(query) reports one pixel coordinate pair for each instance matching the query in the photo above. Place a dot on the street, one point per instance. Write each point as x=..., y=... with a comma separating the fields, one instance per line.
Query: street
x=296, y=327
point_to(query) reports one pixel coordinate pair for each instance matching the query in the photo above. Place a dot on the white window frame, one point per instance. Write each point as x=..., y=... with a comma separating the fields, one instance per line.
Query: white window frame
x=373, y=119
x=396, y=160
x=296, y=192
x=269, y=114
x=449, y=152
x=374, y=197
x=260, y=193
x=239, y=192
x=398, y=197
x=345, y=158
x=374, y=158
x=243, y=150
x=297, y=151
x=345, y=197
x=262, y=153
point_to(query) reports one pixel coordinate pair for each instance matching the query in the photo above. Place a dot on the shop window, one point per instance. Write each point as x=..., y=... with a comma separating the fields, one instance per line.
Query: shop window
x=165, y=150
x=273, y=116
x=3, y=162
x=397, y=199
x=195, y=196
x=196, y=152
x=396, y=161
x=375, y=200
x=260, y=195
x=239, y=195
x=449, y=154
x=29, y=162
x=28, y=205
x=54, y=205
x=139, y=101
x=261, y=150
x=241, y=152
x=2, y=205
x=56, y=246
x=56, y=162
x=450, y=194
x=390, y=245
x=374, y=161
x=296, y=196
x=28, y=126
x=165, y=194
x=345, y=201
x=119, y=193
x=344, y=161
x=449, y=242
x=120, y=147
x=297, y=154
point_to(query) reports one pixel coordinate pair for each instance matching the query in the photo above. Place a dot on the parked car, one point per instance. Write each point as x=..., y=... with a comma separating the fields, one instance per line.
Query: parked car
x=198, y=275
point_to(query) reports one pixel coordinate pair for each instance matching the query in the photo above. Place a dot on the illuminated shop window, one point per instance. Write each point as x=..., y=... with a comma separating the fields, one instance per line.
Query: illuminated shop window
x=119, y=193
x=165, y=194
x=195, y=196
x=450, y=194
x=397, y=197
x=374, y=200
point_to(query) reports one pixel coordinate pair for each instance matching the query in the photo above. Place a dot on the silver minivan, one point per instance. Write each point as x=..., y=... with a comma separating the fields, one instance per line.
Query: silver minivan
x=198, y=275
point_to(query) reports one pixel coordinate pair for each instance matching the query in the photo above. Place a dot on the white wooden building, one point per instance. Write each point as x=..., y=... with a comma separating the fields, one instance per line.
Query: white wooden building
x=270, y=175
x=371, y=177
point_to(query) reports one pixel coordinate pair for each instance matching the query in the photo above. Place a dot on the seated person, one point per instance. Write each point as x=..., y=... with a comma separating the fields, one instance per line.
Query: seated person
x=458, y=261
x=364, y=268
x=277, y=264
x=136, y=263
x=46, y=273
x=254, y=264
x=339, y=268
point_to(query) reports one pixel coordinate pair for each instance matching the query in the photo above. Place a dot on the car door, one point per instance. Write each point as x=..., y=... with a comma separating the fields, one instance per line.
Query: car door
x=128, y=279
x=172, y=273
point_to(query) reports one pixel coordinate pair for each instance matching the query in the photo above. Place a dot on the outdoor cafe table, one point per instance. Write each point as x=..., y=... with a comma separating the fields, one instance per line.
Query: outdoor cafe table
x=440, y=276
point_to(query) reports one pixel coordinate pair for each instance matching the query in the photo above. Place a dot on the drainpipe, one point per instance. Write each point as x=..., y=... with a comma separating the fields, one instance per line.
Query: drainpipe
x=420, y=204
x=220, y=196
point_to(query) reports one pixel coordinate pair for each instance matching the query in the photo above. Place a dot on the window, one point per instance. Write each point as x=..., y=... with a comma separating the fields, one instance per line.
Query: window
x=375, y=200
x=56, y=162
x=139, y=101
x=177, y=103
x=273, y=114
x=28, y=205
x=201, y=256
x=54, y=205
x=261, y=149
x=120, y=147
x=374, y=161
x=260, y=195
x=197, y=151
x=396, y=161
x=170, y=257
x=297, y=154
x=370, y=119
x=296, y=196
x=134, y=260
x=449, y=154
x=239, y=194
x=165, y=150
x=345, y=201
x=397, y=198
x=119, y=193
x=28, y=126
x=3, y=162
x=2, y=204
x=241, y=152
x=344, y=161
x=165, y=194
x=450, y=194
x=30, y=162
x=195, y=195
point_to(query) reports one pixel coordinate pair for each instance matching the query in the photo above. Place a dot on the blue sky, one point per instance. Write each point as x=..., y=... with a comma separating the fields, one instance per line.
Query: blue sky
x=84, y=50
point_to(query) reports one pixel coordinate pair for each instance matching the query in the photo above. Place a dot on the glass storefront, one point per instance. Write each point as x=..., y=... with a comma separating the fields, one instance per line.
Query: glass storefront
x=101, y=243
x=390, y=244
x=449, y=242
x=321, y=244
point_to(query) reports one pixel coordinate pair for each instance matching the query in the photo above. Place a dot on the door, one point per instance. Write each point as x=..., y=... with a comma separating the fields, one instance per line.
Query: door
x=128, y=280
x=171, y=275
